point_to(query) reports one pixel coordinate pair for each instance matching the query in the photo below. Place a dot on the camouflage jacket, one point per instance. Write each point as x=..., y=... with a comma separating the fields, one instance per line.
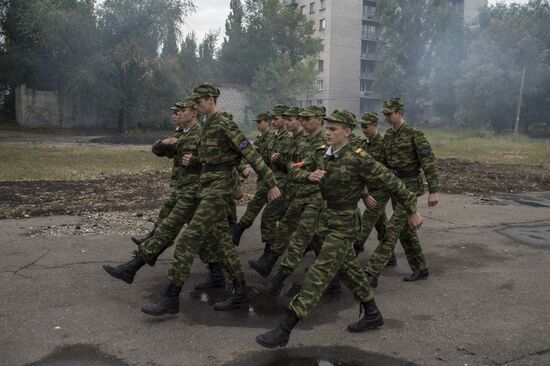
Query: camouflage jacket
x=222, y=142
x=262, y=146
x=188, y=177
x=375, y=149
x=355, y=141
x=347, y=173
x=298, y=144
x=169, y=151
x=279, y=143
x=407, y=150
x=308, y=152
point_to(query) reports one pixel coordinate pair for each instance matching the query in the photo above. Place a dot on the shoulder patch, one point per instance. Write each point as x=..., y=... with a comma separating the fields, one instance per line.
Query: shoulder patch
x=244, y=144
x=361, y=152
x=424, y=152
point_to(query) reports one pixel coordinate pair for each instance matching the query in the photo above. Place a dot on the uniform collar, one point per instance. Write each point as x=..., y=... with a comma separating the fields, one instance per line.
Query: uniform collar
x=335, y=154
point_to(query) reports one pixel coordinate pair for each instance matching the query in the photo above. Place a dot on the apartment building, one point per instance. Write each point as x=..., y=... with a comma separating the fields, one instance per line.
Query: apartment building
x=350, y=30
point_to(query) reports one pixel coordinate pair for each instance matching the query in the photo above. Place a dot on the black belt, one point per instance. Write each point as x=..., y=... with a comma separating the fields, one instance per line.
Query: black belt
x=340, y=206
x=406, y=173
x=192, y=170
x=224, y=167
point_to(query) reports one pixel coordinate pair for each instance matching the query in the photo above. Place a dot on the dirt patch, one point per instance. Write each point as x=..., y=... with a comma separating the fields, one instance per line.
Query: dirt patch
x=146, y=191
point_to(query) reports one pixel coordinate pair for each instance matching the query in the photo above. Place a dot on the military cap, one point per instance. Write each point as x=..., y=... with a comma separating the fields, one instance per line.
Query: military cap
x=175, y=108
x=186, y=103
x=313, y=111
x=279, y=109
x=263, y=116
x=227, y=115
x=293, y=112
x=342, y=116
x=392, y=105
x=205, y=90
x=370, y=118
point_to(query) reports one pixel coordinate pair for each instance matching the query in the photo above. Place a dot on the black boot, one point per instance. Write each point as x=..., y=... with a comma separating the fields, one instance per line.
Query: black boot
x=372, y=319
x=334, y=287
x=127, y=271
x=237, y=230
x=267, y=248
x=140, y=240
x=215, y=277
x=392, y=262
x=373, y=281
x=239, y=296
x=169, y=302
x=264, y=265
x=274, y=286
x=278, y=337
x=417, y=275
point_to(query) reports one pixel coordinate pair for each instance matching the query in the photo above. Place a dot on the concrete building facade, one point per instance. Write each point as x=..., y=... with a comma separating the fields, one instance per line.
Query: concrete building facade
x=350, y=32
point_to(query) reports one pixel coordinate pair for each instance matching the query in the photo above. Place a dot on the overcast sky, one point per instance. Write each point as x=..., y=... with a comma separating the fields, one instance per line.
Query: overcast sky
x=211, y=15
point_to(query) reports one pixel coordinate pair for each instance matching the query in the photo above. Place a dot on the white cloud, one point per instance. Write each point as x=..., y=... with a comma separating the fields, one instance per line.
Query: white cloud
x=210, y=16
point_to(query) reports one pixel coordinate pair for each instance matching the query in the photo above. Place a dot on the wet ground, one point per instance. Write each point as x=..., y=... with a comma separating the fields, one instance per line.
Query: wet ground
x=484, y=303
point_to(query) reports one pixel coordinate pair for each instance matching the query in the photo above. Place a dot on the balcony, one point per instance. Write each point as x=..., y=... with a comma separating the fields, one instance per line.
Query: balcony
x=370, y=17
x=369, y=94
x=370, y=36
x=367, y=75
x=371, y=56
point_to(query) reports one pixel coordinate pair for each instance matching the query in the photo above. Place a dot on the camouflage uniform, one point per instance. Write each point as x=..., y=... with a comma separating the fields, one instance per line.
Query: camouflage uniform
x=347, y=173
x=375, y=217
x=221, y=147
x=406, y=150
x=260, y=197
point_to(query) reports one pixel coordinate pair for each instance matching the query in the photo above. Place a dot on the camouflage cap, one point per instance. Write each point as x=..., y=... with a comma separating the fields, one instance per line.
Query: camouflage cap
x=342, y=116
x=369, y=118
x=314, y=111
x=175, y=108
x=392, y=105
x=279, y=109
x=292, y=112
x=205, y=90
x=186, y=103
x=263, y=116
x=227, y=115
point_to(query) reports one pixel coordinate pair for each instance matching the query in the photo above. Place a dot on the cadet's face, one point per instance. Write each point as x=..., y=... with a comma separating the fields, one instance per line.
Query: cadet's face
x=174, y=118
x=392, y=118
x=310, y=124
x=337, y=134
x=278, y=122
x=292, y=123
x=187, y=115
x=204, y=105
x=370, y=131
x=262, y=125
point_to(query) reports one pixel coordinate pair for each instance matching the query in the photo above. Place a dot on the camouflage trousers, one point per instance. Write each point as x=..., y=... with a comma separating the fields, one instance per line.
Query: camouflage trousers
x=375, y=218
x=398, y=229
x=270, y=215
x=209, y=221
x=291, y=213
x=303, y=236
x=168, y=228
x=167, y=207
x=337, y=231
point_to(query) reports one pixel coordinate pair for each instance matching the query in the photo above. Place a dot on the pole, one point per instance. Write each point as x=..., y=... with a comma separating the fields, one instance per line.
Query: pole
x=518, y=113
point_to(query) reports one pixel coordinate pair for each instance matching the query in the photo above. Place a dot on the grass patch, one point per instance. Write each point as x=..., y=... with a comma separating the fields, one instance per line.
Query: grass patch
x=74, y=163
x=485, y=146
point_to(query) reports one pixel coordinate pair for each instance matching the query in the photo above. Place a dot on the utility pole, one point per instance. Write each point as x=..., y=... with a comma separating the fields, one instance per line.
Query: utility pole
x=518, y=113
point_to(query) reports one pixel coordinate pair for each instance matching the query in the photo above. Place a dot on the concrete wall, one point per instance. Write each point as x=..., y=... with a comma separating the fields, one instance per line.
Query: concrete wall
x=44, y=108
x=472, y=8
x=233, y=99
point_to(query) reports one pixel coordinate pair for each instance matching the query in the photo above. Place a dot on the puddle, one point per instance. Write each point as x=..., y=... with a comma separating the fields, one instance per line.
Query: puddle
x=317, y=356
x=78, y=355
x=539, y=199
x=538, y=236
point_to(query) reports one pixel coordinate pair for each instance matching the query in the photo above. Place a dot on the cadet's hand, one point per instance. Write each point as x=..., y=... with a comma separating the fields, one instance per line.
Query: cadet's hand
x=415, y=221
x=245, y=173
x=433, y=199
x=275, y=156
x=370, y=202
x=186, y=159
x=316, y=176
x=170, y=141
x=238, y=194
x=273, y=194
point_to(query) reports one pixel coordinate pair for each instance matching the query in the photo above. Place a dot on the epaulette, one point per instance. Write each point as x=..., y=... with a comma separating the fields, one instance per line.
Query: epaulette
x=322, y=147
x=361, y=152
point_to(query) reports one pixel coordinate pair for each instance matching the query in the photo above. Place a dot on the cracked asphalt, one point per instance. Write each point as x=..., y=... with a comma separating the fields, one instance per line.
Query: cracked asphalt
x=486, y=302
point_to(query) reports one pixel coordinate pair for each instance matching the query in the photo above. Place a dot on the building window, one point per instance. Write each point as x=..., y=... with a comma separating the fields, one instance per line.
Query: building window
x=300, y=104
x=322, y=6
x=369, y=31
x=311, y=8
x=302, y=9
x=322, y=24
x=319, y=102
x=309, y=103
x=321, y=65
x=319, y=85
